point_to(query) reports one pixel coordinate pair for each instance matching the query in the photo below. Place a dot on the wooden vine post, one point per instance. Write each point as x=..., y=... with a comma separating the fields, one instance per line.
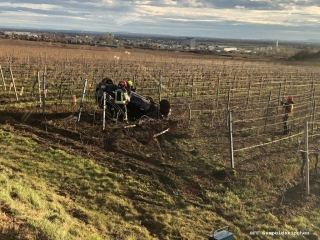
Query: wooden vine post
x=13, y=83
x=313, y=116
x=39, y=87
x=267, y=113
x=248, y=94
x=217, y=94
x=160, y=86
x=313, y=107
x=231, y=138
x=228, y=107
x=279, y=97
x=4, y=83
x=44, y=93
x=261, y=80
x=192, y=86
x=306, y=156
x=104, y=111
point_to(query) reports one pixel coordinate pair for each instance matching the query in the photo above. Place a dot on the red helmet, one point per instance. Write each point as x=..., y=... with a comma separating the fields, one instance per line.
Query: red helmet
x=122, y=84
x=289, y=99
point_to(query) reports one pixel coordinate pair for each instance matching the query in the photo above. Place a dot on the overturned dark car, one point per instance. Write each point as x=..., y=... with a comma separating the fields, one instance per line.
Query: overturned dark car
x=122, y=102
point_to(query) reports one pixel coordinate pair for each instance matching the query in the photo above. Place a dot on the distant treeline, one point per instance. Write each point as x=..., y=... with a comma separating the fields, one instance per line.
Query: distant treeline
x=305, y=55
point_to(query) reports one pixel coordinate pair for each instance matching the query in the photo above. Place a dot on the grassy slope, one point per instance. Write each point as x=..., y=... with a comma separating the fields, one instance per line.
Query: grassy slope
x=54, y=195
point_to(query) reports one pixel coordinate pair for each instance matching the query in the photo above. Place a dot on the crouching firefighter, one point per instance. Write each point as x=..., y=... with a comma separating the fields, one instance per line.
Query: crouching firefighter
x=287, y=110
x=121, y=98
x=131, y=87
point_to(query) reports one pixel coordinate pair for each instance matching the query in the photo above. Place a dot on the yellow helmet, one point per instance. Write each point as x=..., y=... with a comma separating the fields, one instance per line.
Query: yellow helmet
x=130, y=83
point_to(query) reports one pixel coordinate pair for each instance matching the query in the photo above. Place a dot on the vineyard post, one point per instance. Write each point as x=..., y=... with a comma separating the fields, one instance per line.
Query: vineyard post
x=316, y=166
x=306, y=156
x=39, y=86
x=279, y=96
x=93, y=79
x=4, y=83
x=234, y=83
x=267, y=113
x=267, y=79
x=160, y=86
x=312, y=101
x=314, y=116
x=261, y=80
x=192, y=87
x=43, y=93
x=28, y=69
x=228, y=107
x=86, y=69
x=217, y=93
x=231, y=138
x=134, y=79
x=14, y=85
x=313, y=112
x=104, y=111
x=179, y=84
x=248, y=95
x=82, y=99
x=28, y=61
x=71, y=87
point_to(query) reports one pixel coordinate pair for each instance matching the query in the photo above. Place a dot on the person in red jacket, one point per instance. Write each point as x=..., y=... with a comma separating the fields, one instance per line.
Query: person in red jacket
x=287, y=110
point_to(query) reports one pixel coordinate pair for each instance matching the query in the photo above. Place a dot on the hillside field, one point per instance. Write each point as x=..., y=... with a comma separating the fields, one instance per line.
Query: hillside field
x=62, y=177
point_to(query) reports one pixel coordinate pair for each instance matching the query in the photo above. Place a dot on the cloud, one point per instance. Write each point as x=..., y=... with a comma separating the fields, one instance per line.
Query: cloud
x=190, y=16
x=29, y=6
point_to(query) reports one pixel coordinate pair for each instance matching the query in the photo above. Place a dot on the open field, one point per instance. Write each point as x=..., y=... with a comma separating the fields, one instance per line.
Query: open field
x=63, y=179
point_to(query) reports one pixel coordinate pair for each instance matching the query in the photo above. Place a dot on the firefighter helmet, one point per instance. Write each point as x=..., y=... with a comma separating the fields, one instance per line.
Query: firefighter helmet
x=290, y=99
x=130, y=83
x=122, y=84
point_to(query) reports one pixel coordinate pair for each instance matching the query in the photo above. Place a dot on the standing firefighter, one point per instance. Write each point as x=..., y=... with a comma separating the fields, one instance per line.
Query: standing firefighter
x=287, y=110
x=121, y=98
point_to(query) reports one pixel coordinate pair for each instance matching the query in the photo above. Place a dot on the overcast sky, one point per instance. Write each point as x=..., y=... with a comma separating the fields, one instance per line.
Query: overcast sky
x=242, y=19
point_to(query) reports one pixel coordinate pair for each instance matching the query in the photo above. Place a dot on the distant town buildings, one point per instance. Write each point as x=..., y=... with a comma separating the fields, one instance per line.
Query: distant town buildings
x=109, y=40
x=224, y=49
x=12, y=33
x=110, y=35
x=16, y=33
x=189, y=43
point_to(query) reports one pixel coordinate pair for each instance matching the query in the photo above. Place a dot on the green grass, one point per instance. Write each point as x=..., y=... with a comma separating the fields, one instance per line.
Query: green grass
x=55, y=195
x=56, y=191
